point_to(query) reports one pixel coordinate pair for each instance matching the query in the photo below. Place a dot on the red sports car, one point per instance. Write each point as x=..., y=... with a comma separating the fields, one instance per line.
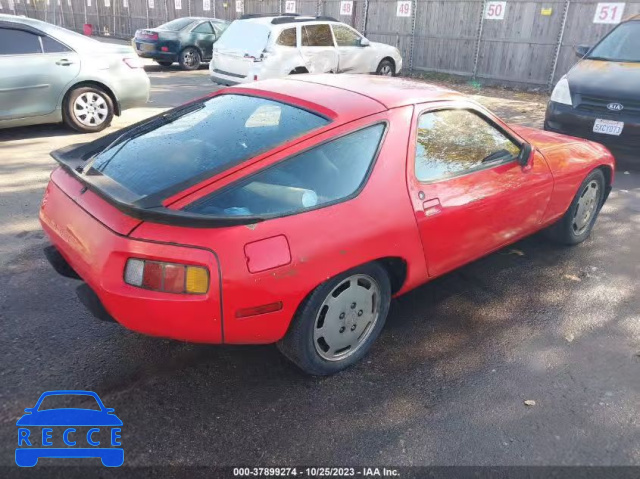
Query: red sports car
x=291, y=211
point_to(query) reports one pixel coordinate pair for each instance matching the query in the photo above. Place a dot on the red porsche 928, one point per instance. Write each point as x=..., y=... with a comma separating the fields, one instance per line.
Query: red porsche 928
x=291, y=211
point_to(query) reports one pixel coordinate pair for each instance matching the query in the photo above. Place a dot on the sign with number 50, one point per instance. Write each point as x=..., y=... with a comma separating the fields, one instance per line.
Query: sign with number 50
x=609, y=13
x=404, y=9
x=495, y=10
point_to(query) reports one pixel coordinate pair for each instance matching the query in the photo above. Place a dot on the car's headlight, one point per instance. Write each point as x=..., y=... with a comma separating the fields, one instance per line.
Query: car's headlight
x=562, y=93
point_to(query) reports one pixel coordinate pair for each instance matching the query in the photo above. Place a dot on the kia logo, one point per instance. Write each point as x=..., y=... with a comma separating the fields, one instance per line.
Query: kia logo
x=615, y=106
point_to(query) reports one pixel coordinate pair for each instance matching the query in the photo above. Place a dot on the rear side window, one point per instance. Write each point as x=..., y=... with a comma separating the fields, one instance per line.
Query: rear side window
x=288, y=38
x=226, y=130
x=317, y=36
x=53, y=46
x=204, y=28
x=323, y=175
x=18, y=42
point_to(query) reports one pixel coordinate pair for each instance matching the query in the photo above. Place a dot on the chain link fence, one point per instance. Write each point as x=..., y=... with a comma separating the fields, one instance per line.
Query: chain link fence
x=529, y=43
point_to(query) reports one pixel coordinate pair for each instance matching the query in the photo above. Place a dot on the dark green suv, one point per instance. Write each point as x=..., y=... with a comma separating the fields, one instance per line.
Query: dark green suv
x=188, y=41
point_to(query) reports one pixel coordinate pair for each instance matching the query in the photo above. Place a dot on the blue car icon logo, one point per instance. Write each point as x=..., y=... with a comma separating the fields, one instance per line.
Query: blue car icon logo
x=69, y=432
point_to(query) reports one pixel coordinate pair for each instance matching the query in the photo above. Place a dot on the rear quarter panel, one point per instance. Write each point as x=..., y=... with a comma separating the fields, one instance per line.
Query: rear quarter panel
x=570, y=160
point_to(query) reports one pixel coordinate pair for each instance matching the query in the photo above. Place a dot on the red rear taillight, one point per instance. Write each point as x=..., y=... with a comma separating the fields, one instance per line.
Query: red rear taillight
x=147, y=35
x=133, y=62
x=166, y=277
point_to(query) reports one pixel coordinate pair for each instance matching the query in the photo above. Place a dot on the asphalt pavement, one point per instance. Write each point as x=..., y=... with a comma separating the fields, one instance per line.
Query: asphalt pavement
x=445, y=384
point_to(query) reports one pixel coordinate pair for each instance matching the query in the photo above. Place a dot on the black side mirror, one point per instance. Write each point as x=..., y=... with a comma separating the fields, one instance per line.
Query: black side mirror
x=525, y=154
x=582, y=50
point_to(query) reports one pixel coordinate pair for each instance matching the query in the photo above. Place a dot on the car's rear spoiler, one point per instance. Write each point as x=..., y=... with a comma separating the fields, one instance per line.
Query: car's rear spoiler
x=73, y=159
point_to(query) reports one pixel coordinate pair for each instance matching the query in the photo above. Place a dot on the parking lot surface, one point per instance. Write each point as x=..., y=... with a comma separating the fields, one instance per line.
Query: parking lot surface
x=446, y=383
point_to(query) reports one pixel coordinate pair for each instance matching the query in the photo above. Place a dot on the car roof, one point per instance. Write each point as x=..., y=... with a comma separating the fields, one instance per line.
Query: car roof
x=358, y=91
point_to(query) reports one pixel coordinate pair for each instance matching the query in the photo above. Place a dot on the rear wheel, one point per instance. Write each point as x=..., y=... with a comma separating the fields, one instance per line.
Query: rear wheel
x=576, y=224
x=88, y=109
x=190, y=59
x=164, y=64
x=337, y=324
x=386, y=68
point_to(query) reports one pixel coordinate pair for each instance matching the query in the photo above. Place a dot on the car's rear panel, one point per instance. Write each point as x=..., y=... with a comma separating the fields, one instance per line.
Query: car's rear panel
x=92, y=236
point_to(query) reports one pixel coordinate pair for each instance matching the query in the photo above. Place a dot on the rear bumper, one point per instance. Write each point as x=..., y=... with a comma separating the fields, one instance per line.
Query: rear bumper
x=98, y=256
x=159, y=56
x=565, y=119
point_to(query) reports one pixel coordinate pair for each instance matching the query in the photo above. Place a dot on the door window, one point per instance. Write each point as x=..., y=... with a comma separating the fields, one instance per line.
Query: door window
x=288, y=38
x=205, y=28
x=345, y=37
x=317, y=36
x=454, y=142
x=49, y=45
x=323, y=175
x=18, y=42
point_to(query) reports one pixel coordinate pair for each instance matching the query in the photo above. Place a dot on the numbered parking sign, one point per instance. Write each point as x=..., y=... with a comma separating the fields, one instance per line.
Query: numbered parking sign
x=178, y=4
x=239, y=6
x=403, y=9
x=609, y=13
x=290, y=6
x=495, y=10
x=346, y=7
x=206, y=5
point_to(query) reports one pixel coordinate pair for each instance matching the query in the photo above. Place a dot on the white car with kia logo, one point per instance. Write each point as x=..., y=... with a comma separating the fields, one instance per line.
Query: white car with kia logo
x=259, y=47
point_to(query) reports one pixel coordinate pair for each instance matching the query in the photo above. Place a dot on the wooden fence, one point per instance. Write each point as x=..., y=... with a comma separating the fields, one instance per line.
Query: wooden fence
x=528, y=42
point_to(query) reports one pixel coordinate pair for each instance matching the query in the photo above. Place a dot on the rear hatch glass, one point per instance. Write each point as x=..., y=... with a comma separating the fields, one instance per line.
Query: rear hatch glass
x=244, y=37
x=199, y=141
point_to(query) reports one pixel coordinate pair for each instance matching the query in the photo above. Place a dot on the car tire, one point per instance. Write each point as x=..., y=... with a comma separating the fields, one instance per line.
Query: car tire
x=190, y=59
x=386, y=68
x=323, y=339
x=164, y=64
x=87, y=109
x=576, y=224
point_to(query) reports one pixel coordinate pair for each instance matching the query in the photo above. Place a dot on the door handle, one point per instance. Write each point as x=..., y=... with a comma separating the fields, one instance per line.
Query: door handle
x=431, y=207
x=64, y=62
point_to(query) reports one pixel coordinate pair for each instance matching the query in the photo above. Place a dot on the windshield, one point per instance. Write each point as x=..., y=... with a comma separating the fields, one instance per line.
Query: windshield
x=244, y=36
x=63, y=401
x=621, y=45
x=226, y=130
x=175, y=25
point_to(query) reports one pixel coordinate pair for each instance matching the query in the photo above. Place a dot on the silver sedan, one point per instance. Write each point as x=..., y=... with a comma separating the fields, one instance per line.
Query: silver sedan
x=50, y=75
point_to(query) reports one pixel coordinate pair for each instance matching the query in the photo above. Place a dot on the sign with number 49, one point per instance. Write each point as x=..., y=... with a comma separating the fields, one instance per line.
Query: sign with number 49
x=609, y=13
x=403, y=9
x=495, y=10
x=346, y=7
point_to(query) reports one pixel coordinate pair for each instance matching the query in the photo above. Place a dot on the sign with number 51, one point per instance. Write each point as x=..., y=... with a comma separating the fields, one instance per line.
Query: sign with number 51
x=404, y=9
x=495, y=10
x=609, y=13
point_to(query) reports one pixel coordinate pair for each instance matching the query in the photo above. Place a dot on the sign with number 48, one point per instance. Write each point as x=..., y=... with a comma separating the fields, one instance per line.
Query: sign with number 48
x=404, y=9
x=495, y=10
x=346, y=7
x=609, y=13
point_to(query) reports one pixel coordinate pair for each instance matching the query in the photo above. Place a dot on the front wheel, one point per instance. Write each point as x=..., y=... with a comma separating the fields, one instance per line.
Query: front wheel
x=190, y=59
x=576, y=224
x=88, y=109
x=337, y=324
x=386, y=68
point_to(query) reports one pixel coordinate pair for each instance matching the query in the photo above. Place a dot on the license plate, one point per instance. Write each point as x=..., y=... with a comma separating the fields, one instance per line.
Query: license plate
x=145, y=47
x=608, y=127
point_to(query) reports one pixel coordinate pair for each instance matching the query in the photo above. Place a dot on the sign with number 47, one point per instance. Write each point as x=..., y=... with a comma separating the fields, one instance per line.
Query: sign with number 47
x=403, y=9
x=609, y=13
x=346, y=7
x=290, y=6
